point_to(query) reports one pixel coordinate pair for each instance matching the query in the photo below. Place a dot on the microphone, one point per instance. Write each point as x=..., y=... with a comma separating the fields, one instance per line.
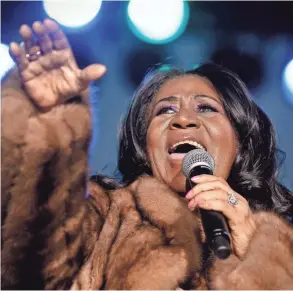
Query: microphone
x=197, y=162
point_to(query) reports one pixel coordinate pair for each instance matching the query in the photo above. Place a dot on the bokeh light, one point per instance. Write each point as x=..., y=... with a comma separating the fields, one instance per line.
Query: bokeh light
x=73, y=13
x=6, y=62
x=288, y=81
x=158, y=21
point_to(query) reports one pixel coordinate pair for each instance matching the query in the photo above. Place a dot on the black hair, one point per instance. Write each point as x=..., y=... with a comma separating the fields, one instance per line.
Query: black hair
x=255, y=170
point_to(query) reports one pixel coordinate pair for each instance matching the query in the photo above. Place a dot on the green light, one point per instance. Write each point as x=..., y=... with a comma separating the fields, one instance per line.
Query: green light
x=141, y=35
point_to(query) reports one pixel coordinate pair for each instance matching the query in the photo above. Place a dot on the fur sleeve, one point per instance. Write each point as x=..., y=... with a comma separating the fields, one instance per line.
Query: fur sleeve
x=16, y=109
x=45, y=233
x=268, y=263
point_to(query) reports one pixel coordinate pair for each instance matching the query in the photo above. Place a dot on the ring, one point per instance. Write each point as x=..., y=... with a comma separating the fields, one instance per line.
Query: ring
x=33, y=56
x=232, y=199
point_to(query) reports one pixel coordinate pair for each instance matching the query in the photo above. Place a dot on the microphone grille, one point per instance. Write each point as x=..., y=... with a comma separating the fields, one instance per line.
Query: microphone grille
x=197, y=157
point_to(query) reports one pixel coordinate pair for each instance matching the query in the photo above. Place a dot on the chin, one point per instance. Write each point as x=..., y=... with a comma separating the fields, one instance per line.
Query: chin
x=174, y=179
x=178, y=185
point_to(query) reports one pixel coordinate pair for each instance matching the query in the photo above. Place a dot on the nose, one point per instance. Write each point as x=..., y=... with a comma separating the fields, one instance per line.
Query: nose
x=185, y=119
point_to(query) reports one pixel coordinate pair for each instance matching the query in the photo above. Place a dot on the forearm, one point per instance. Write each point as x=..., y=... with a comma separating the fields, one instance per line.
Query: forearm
x=16, y=109
x=46, y=209
x=268, y=263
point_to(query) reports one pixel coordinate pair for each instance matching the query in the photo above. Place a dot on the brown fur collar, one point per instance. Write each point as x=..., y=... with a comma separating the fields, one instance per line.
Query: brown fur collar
x=150, y=240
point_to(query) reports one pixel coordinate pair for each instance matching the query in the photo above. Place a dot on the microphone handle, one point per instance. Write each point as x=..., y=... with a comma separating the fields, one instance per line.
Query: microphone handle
x=214, y=222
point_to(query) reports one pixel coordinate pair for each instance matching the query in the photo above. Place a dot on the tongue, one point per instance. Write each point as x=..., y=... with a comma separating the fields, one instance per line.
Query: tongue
x=177, y=156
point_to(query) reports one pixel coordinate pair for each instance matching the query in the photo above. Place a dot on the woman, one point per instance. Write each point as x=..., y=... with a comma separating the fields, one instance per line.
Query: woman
x=143, y=232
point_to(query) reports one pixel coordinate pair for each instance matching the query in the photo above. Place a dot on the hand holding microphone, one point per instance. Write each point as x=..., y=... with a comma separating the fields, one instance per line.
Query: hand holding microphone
x=220, y=206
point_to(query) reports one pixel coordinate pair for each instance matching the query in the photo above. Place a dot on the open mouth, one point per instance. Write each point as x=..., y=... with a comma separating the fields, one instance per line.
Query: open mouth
x=184, y=147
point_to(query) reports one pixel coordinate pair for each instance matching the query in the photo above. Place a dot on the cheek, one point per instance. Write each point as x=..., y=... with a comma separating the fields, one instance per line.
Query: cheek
x=220, y=129
x=156, y=148
x=156, y=134
x=224, y=137
x=153, y=139
x=150, y=140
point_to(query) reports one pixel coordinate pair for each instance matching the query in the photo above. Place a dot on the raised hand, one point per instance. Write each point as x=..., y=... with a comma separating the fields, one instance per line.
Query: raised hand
x=214, y=193
x=47, y=66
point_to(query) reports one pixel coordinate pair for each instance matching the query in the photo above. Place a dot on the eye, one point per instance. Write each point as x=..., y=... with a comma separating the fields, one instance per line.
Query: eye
x=206, y=108
x=166, y=110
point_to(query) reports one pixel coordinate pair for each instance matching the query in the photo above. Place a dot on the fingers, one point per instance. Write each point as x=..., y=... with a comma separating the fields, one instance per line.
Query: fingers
x=44, y=40
x=211, y=193
x=218, y=205
x=44, y=36
x=207, y=185
x=18, y=55
x=92, y=73
x=58, y=38
x=39, y=40
x=206, y=182
x=240, y=219
x=208, y=195
x=217, y=200
x=28, y=38
x=214, y=183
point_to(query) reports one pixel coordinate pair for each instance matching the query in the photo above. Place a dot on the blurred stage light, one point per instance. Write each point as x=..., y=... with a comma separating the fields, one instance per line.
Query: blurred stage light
x=72, y=13
x=6, y=62
x=288, y=81
x=158, y=21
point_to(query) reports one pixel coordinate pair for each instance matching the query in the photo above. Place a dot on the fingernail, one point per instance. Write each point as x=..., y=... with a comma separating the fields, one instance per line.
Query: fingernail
x=195, y=178
x=103, y=69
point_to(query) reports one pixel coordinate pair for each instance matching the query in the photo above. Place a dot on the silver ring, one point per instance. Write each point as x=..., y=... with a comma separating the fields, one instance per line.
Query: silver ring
x=232, y=199
x=33, y=56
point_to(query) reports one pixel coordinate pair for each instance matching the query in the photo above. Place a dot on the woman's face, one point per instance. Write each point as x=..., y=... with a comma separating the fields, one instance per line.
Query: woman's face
x=188, y=109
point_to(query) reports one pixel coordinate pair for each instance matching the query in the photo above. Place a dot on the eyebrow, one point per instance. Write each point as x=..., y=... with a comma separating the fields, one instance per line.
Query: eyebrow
x=174, y=98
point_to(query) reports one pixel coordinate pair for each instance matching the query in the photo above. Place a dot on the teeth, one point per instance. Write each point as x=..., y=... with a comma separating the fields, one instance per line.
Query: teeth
x=194, y=143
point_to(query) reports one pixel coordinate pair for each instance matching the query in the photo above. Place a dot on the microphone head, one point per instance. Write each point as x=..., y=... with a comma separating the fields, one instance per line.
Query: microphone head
x=195, y=158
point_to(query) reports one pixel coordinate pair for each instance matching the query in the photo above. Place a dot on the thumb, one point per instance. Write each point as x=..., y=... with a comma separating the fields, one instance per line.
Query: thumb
x=92, y=72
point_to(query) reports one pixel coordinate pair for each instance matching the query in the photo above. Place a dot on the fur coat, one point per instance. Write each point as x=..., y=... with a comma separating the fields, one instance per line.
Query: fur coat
x=54, y=236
